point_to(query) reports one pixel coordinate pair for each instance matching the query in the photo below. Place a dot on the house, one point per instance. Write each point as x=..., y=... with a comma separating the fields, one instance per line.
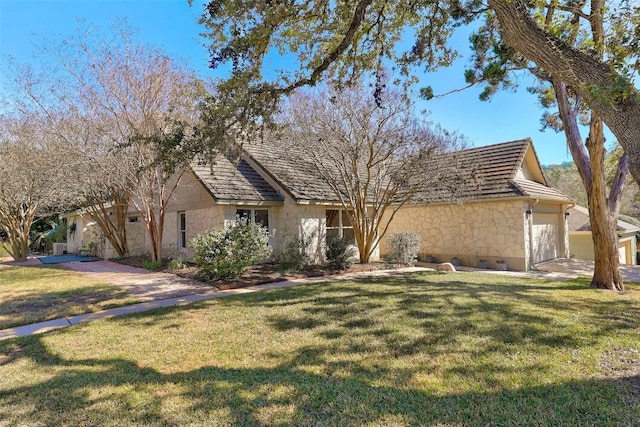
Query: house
x=506, y=213
x=581, y=242
x=509, y=212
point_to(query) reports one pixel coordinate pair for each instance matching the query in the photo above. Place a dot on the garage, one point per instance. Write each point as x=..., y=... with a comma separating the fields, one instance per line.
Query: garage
x=581, y=241
x=545, y=237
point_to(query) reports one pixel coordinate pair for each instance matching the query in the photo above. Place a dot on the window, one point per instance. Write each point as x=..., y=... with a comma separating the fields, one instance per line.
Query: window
x=254, y=216
x=182, y=231
x=339, y=224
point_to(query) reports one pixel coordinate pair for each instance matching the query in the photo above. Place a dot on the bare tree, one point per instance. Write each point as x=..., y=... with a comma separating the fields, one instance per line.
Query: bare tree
x=368, y=150
x=129, y=112
x=31, y=183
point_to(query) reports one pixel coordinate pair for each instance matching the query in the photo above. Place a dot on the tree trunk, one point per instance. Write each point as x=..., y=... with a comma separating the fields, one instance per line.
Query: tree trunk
x=602, y=212
x=112, y=226
x=590, y=77
x=606, y=273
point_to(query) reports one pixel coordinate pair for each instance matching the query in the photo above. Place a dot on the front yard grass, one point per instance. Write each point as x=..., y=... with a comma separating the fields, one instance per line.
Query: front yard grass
x=31, y=294
x=412, y=349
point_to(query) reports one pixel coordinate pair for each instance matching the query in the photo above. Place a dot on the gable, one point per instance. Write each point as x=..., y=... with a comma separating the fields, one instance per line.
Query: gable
x=235, y=182
x=530, y=167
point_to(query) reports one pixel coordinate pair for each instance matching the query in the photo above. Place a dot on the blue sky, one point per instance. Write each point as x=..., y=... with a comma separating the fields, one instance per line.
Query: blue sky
x=171, y=25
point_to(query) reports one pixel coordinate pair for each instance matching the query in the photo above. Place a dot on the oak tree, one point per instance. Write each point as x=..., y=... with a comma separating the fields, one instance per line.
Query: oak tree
x=494, y=63
x=339, y=41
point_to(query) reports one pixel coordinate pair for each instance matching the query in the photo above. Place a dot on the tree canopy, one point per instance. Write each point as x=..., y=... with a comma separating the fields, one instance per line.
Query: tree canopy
x=340, y=41
x=369, y=153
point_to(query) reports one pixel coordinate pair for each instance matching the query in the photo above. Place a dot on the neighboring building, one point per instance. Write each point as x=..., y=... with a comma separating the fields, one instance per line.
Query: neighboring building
x=581, y=241
x=508, y=213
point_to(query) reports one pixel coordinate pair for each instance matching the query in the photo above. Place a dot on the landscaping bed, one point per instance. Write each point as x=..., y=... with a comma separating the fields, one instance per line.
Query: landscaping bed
x=260, y=273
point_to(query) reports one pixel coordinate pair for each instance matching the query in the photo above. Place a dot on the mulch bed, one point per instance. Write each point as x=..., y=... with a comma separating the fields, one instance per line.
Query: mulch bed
x=261, y=273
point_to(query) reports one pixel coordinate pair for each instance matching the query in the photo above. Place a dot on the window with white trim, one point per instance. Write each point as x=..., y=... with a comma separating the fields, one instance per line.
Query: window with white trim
x=182, y=231
x=254, y=216
x=339, y=224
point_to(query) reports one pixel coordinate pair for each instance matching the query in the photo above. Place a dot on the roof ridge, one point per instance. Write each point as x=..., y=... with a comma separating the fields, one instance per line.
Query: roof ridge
x=514, y=142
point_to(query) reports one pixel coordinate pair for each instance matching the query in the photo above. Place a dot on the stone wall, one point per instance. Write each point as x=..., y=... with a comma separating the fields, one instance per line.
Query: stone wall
x=198, y=220
x=471, y=231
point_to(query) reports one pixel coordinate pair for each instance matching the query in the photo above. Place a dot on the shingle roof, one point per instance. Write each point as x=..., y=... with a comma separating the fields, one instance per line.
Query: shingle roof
x=579, y=221
x=481, y=173
x=279, y=161
x=491, y=172
x=235, y=182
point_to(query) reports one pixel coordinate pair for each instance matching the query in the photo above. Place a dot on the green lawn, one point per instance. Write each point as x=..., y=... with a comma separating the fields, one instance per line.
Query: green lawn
x=38, y=293
x=417, y=349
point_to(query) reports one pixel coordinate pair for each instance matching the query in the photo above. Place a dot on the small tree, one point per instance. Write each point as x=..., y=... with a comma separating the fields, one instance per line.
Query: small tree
x=32, y=184
x=129, y=110
x=374, y=153
x=227, y=253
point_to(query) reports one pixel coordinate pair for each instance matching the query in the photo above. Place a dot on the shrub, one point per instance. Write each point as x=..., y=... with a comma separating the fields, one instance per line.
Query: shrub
x=151, y=265
x=227, y=253
x=403, y=247
x=340, y=252
x=297, y=253
x=177, y=264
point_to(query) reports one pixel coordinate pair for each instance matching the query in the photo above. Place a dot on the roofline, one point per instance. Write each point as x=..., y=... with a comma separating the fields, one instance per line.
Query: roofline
x=466, y=150
x=253, y=162
x=237, y=202
x=533, y=148
x=207, y=189
x=489, y=199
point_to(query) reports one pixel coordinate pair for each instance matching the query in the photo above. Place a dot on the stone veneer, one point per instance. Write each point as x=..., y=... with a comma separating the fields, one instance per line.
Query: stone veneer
x=471, y=231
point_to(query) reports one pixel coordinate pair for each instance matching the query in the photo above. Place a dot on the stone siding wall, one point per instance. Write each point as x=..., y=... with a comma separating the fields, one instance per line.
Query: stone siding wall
x=471, y=231
x=198, y=220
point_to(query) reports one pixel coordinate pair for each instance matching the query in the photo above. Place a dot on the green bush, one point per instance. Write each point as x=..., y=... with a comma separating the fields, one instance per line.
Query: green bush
x=297, y=252
x=403, y=247
x=227, y=253
x=340, y=252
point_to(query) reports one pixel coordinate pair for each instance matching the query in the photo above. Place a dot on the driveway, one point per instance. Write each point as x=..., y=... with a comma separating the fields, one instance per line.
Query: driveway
x=558, y=269
x=569, y=268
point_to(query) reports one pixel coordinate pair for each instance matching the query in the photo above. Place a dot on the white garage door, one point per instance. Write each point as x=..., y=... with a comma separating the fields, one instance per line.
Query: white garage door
x=545, y=237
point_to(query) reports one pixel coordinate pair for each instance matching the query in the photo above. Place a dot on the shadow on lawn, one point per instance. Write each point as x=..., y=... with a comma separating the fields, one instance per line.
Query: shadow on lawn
x=36, y=307
x=119, y=392
x=371, y=339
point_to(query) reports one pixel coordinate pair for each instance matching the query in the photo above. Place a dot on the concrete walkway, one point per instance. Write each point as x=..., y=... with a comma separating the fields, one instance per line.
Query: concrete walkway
x=37, y=328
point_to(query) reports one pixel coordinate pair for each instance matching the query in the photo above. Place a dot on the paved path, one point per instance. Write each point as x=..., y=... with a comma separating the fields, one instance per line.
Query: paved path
x=146, y=285
x=142, y=276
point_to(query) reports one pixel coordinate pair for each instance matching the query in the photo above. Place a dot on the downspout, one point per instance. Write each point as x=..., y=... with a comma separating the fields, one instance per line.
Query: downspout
x=530, y=217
